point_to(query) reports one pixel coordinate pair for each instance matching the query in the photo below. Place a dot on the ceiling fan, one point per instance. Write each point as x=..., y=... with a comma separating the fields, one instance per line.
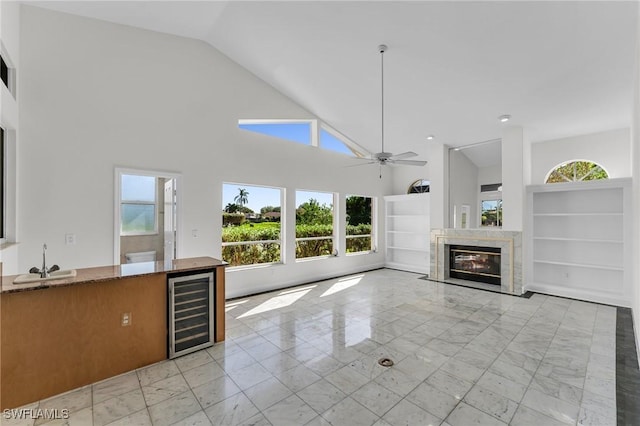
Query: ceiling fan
x=383, y=158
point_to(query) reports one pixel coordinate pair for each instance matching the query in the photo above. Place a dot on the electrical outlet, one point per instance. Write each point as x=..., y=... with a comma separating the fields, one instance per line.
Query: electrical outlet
x=194, y=233
x=70, y=239
x=126, y=319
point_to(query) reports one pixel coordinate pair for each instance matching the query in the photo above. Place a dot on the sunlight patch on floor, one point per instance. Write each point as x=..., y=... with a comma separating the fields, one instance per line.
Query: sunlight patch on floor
x=342, y=284
x=232, y=305
x=283, y=299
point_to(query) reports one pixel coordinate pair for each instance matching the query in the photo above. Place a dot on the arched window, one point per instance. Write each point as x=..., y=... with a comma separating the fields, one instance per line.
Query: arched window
x=419, y=186
x=576, y=171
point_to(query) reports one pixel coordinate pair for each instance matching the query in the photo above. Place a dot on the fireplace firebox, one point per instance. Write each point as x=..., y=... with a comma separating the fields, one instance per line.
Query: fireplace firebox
x=481, y=264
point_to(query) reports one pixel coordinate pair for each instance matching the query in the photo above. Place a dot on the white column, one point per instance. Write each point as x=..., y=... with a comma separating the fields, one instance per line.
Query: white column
x=439, y=178
x=516, y=174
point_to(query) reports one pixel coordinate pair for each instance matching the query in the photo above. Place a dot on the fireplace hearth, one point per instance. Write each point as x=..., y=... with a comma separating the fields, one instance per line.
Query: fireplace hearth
x=474, y=263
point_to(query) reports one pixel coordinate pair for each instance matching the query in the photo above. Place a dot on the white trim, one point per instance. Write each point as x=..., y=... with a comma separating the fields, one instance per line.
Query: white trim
x=118, y=172
x=358, y=150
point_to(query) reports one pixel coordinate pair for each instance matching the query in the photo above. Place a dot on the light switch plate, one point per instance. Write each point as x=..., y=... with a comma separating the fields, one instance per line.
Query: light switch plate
x=70, y=239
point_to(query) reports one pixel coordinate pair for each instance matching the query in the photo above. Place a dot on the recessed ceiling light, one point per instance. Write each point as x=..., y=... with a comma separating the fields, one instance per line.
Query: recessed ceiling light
x=504, y=118
x=430, y=137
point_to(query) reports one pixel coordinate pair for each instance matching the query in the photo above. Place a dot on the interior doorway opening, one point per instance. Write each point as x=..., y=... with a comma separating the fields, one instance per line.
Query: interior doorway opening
x=146, y=216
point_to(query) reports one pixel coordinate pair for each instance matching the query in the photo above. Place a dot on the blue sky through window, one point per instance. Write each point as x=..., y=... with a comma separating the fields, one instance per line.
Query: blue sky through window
x=138, y=188
x=295, y=132
x=259, y=196
x=330, y=142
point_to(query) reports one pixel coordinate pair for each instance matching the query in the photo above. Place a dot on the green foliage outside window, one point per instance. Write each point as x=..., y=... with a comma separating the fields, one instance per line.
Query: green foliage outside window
x=576, y=171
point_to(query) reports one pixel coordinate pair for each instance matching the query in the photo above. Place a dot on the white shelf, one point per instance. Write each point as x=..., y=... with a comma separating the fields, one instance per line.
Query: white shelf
x=580, y=265
x=578, y=240
x=407, y=232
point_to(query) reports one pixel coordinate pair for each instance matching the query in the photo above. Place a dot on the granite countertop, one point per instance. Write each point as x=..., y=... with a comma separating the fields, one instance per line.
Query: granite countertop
x=115, y=272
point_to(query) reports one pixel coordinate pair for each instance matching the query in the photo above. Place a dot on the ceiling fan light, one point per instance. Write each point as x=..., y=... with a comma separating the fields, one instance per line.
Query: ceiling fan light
x=504, y=118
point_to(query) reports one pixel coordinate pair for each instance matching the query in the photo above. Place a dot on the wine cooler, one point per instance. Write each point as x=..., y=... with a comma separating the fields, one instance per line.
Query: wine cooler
x=191, y=313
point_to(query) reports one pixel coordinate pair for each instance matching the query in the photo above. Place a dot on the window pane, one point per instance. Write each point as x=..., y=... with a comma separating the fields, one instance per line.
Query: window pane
x=332, y=143
x=250, y=213
x=138, y=188
x=313, y=248
x=295, y=132
x=492, y=213
x=358, y=223
x=314, y=218
x=137, y=218
x=250, y=254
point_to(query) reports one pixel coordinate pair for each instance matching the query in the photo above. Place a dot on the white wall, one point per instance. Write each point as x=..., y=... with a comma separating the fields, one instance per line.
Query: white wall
x=96, y=96
x=9, y=121
x=609, y=149
x=463, y=188
x=436, y=171
x=489, y=175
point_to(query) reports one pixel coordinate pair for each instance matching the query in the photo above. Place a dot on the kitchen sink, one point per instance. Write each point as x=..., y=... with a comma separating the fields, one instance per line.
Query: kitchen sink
x=34, y=278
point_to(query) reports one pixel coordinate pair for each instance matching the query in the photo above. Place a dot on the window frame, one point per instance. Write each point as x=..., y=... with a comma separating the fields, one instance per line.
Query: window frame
x=334, y=228
x=281, y=241
x=153, y=203
x=371, y=235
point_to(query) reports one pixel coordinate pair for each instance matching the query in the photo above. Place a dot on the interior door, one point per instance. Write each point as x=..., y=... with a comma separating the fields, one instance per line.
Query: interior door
x=169, y=220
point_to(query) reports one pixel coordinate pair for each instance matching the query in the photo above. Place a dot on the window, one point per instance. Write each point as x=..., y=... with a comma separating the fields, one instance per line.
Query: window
x=138, y=213
x=251, y=225
x=491, y=213
x=420, y=186
x=359, y=224
x=4, y=72
x=576, y=171
x=299, y=131
x=314, y=224
x=305, y=132
x=332, y=141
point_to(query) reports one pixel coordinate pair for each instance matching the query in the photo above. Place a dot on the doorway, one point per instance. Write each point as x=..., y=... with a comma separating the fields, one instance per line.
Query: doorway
x=146, y=216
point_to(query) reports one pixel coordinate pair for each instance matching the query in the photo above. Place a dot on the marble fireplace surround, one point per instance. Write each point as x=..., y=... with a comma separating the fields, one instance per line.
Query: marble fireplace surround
x=510, y=243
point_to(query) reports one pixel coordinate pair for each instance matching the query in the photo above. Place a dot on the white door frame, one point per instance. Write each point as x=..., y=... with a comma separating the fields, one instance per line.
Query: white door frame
x=119, y=171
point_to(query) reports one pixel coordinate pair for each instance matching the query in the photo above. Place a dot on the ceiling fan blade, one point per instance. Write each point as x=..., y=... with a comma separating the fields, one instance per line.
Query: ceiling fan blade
x=409, y=162
x=404, y=155
x=363, y=164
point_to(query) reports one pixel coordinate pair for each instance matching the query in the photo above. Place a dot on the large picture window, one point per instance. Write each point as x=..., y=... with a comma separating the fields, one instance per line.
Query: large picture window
x=251, y=222
x=359, y=232
x=314, y=224
x=138, y=213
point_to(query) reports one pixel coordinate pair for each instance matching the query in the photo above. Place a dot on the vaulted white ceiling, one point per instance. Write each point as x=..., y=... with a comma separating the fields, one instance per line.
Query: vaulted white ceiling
x=559, y=68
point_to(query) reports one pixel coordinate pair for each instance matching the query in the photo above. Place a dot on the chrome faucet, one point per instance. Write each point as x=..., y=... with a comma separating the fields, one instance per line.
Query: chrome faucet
x=44, y=271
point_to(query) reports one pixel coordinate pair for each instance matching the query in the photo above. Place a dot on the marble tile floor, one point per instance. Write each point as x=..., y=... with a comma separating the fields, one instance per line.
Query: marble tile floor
x=308, y=356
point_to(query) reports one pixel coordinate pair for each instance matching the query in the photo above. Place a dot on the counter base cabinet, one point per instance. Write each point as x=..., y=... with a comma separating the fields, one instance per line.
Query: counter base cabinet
x=408, y=232
x=191, y=312
x=58, y=339
x=578, y=245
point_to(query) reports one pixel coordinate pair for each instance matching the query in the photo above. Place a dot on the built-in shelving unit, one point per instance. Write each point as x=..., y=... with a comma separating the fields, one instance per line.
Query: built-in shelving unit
x=407, y=228
x=578, y=240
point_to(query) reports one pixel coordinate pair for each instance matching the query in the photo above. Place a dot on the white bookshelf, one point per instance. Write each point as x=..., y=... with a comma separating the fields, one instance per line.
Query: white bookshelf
x=578, y=241
x=407, y=232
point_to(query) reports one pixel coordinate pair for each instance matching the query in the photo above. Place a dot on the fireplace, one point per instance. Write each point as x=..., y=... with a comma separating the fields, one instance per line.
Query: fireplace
x=473, y=263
